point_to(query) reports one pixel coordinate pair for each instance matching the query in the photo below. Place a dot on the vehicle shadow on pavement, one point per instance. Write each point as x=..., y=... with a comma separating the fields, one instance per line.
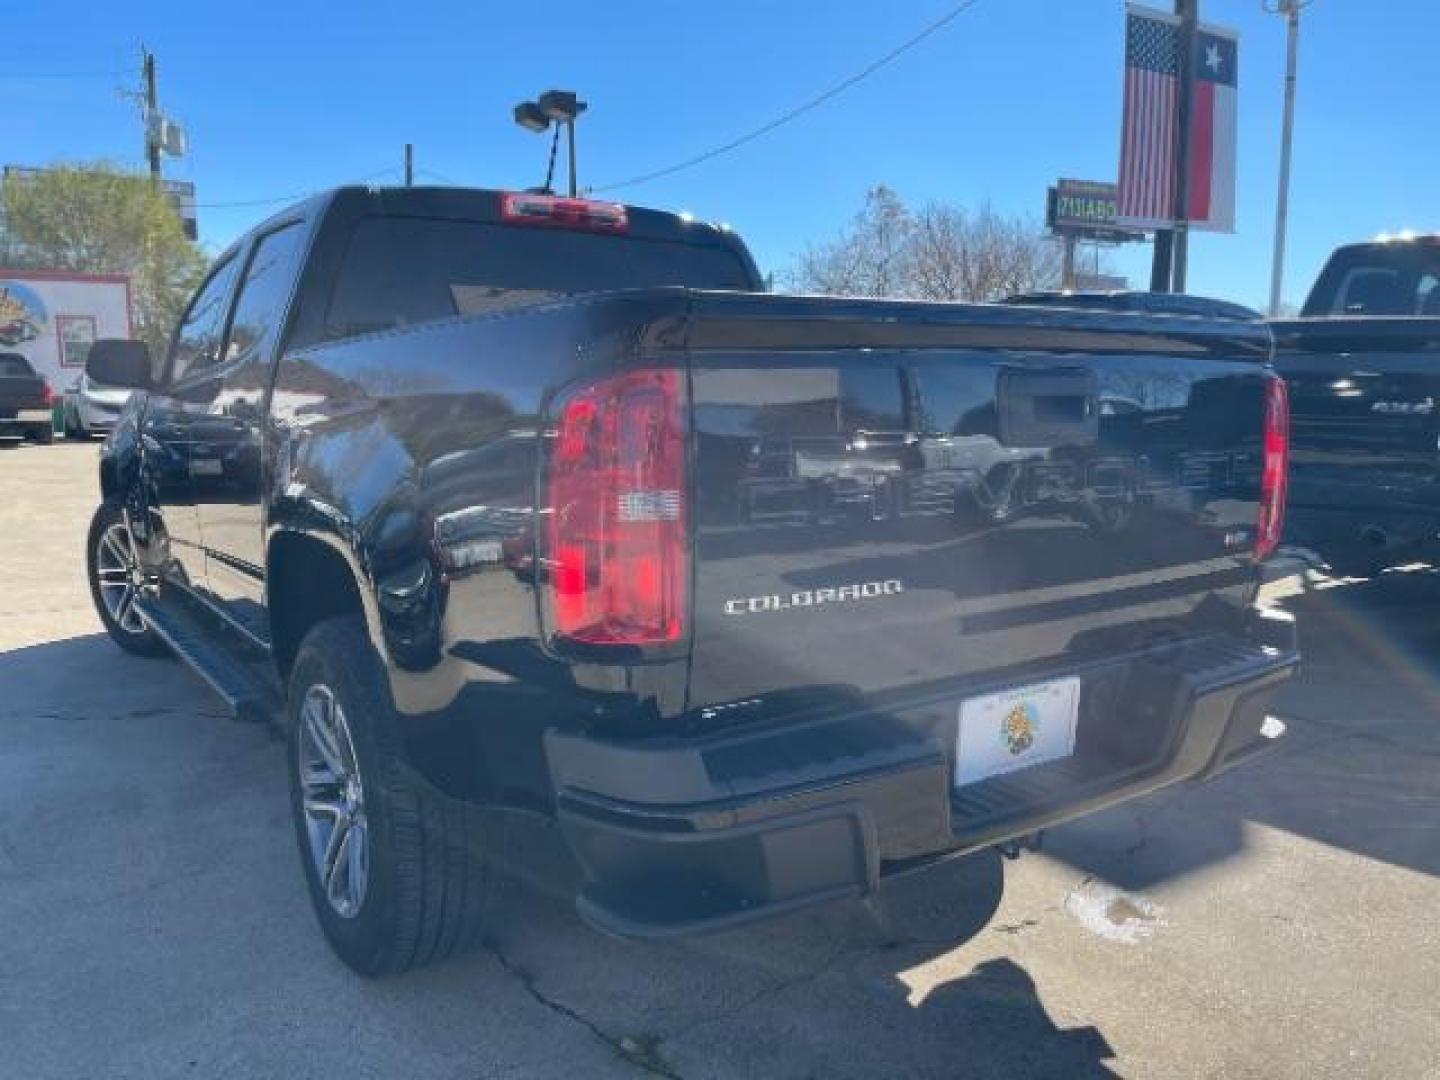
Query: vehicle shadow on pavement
x=835, y=991
x=1359, y=769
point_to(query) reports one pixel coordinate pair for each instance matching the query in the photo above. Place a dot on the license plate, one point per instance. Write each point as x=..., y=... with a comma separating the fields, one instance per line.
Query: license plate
x=1015, y=729
x=206, y=467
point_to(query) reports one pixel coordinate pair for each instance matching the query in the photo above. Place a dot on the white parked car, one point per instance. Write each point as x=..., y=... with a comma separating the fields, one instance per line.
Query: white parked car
x=92, y=408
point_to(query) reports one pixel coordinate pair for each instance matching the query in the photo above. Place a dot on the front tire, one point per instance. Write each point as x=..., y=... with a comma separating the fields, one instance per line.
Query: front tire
x=116, y=580
x=395, y=869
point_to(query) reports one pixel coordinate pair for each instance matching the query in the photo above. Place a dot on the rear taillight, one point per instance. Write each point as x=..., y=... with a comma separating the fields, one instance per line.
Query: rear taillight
x=47, y=395
x=617, y=532
x=521, y=208
x=1275, y=468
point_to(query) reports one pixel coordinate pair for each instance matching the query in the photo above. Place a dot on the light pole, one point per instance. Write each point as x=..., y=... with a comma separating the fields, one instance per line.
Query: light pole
x=562, y=108
x=1291, y=10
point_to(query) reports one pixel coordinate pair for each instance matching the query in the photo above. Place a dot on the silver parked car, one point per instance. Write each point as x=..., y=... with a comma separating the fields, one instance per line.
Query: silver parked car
x=92, y=408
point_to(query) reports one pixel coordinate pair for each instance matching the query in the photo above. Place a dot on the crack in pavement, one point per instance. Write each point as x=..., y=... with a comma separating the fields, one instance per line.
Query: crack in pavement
x=778, y=987
x=640, y=1052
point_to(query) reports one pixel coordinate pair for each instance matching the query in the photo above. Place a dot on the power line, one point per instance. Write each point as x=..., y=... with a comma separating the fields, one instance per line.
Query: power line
x=799, y=110
x=432, y=174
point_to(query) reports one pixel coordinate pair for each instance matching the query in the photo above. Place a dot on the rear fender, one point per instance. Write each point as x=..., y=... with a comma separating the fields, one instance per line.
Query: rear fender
x=420, y=679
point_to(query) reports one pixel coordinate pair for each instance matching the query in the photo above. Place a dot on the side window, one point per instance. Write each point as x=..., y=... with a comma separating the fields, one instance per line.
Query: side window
x=197, y=339
x=268, y=280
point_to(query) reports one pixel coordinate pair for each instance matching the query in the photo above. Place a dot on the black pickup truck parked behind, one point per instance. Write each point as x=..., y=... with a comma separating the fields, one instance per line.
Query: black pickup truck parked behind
x=26, y=401
x=761, y=598
x=1363, y=368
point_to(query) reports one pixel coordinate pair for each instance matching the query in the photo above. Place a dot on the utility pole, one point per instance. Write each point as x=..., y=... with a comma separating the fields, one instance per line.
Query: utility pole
x=152, y=114
x=1291, y=10
x=409, y=164
x=1067, y=266
x=1172, y=246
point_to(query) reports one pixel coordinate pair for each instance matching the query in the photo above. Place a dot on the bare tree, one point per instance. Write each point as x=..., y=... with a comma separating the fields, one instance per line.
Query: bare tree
x=944, y=252
x=868, y=259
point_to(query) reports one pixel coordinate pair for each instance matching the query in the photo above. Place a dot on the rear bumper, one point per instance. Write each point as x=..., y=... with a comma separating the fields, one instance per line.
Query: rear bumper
x=698, y=835
x=96, y=415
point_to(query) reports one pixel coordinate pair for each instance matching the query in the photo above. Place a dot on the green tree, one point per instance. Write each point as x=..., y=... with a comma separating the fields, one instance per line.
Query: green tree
x=95, y=218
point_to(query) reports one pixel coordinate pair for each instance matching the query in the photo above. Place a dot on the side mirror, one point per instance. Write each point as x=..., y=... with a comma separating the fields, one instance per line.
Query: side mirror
x=119, y=362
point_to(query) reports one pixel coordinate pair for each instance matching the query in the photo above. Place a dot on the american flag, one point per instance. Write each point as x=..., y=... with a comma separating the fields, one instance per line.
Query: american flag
x=1147, y=147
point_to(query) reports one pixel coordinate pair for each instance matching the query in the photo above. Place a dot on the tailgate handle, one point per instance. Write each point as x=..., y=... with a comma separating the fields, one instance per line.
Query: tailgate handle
x=1047, y=408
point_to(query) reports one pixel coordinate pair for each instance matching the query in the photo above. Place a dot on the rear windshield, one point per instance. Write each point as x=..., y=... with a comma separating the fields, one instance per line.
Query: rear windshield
x=399, y=271
x=1395, y=280
x=14, y=364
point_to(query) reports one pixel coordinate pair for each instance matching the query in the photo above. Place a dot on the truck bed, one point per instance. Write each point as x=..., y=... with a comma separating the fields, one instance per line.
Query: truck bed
x=1031, y=485
x=893, y=508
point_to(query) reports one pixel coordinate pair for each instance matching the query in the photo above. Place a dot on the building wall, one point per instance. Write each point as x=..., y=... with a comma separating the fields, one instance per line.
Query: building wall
x=52, y=317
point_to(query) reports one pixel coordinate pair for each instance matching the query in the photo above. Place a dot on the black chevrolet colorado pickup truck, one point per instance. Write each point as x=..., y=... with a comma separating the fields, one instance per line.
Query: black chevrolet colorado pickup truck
x=1363, y=367
x=760, y=598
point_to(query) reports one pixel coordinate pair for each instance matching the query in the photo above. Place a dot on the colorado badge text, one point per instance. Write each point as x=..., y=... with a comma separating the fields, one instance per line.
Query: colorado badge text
x=868, y=590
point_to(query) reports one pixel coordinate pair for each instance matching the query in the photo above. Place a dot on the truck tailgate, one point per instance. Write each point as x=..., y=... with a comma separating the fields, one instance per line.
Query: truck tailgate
x=1363, y=400
x=19, y=392
x=899, y=496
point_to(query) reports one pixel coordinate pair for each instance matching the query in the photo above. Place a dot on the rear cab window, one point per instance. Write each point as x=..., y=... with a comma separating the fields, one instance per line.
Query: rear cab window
x=1378, y=280
x=400, y=270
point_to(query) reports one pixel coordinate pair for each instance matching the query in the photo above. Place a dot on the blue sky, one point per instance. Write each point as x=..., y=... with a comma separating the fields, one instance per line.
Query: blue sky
x=285, y=98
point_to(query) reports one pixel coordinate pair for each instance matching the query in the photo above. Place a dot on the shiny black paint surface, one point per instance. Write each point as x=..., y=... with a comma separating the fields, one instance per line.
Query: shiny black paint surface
x=1044, y=486
x=1365, y=428
x=1030, y=489
x=1018, y=550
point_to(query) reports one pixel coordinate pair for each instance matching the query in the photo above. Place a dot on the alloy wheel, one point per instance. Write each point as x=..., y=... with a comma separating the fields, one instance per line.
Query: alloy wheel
x=333, y=797
x=120, y=578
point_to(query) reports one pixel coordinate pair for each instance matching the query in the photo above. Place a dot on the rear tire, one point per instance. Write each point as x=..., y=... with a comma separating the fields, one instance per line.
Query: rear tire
x=110, y=566
x=42, y=436
x=418, y=892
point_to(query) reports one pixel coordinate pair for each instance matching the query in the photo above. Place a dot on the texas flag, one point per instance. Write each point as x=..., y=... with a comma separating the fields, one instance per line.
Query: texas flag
x=1212, y=131
x=1149, y=143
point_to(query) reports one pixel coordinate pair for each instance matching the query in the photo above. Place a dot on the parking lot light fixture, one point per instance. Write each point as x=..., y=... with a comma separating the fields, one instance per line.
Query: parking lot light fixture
x=529, y=116
x=562, y=108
